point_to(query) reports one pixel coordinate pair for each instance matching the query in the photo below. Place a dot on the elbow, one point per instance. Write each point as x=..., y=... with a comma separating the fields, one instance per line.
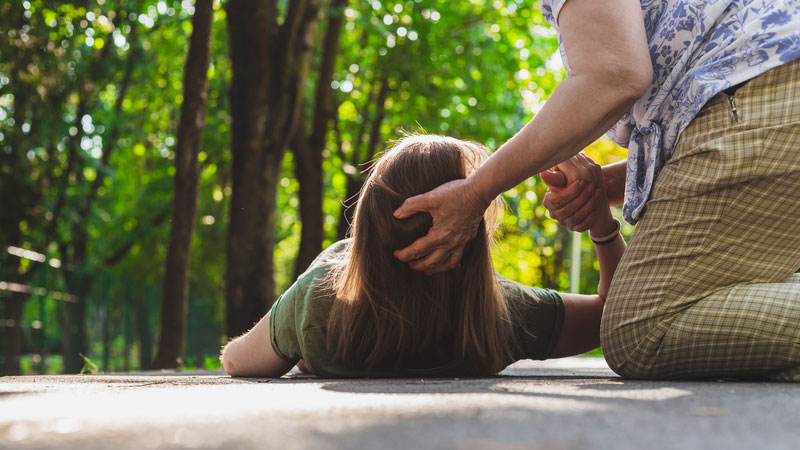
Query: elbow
x=616, y=88
x=602, y=291
x=229, y=367
x=633, y=81
x=639, y=81
x=228, y=360
x=622, y=82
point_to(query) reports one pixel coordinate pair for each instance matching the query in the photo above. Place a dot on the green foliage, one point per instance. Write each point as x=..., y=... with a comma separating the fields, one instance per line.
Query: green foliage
x=76, y=156
x=207, y=362
x=63, y=73
x=89, y=366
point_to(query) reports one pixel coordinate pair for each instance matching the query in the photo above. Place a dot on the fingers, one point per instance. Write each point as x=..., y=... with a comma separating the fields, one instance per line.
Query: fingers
x=581, y=167
x=437, y=261
x=411, y=206
x=591, y=168
x=555, y=200
x=553, y=178
x=582, y=217
x=451, y=262
x=454, y=261
x=586, y=223
x=576, y=207
x=424, y=255
x=569, y=169
x=419, y=248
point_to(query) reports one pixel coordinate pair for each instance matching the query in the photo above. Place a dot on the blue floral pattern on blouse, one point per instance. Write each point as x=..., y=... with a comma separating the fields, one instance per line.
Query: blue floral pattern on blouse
x=698, y=48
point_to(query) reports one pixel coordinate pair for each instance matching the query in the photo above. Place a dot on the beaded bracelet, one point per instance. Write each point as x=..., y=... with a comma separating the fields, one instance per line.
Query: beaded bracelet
x=601, y=240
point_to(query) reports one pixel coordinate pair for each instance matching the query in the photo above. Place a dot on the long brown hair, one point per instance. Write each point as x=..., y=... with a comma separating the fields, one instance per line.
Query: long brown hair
x=387, y=315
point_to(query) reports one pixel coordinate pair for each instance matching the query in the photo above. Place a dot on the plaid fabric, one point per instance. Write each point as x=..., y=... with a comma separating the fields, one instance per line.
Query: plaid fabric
x=706, y=287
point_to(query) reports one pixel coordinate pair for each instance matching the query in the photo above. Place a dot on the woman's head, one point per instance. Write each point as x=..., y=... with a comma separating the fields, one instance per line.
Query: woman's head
x=387, y=314
x=414, y=165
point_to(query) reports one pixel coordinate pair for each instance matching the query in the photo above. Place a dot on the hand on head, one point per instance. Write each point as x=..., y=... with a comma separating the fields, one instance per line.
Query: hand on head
x=576, y=195
x=456, y=213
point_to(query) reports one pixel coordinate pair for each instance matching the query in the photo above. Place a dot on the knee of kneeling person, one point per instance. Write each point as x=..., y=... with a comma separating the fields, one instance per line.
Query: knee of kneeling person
x=615, y=359
x=629, y=360
x=622, y=354
x=629, y=369
x=624, y=338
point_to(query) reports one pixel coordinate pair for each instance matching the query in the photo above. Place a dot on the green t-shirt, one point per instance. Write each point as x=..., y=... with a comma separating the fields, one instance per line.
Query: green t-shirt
x=298, y=322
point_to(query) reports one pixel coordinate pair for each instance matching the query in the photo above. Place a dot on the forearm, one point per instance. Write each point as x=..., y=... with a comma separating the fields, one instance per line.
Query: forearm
x=614, y=180
x=608, y=256
x=580, y=331
x=565, y=125
x=252, y=355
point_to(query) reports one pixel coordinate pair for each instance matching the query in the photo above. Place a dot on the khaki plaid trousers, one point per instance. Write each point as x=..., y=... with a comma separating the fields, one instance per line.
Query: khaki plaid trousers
x=707, y=287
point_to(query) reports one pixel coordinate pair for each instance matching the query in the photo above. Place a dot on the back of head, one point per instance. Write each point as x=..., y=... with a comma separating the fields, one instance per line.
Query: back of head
x=387, y=315
x=415, y=165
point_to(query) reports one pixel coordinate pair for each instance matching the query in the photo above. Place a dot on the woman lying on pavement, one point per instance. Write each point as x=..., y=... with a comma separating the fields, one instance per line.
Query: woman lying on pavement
x=360, y=312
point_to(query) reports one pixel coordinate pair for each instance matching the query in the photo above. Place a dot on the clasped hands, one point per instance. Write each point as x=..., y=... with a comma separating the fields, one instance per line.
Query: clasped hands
x=576, y=196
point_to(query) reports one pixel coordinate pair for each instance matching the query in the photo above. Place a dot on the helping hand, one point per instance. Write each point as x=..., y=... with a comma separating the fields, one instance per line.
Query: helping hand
x=456, y=211
x=576, y=197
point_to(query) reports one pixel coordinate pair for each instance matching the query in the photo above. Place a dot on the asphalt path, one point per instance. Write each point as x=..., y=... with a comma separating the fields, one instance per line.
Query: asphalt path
x=573, y=403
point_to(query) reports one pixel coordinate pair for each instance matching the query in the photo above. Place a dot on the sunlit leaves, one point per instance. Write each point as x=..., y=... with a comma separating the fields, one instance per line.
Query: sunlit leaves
x=477, y=69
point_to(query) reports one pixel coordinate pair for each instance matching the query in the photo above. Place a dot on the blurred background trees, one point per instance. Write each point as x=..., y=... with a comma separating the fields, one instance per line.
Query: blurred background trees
x=301, y=96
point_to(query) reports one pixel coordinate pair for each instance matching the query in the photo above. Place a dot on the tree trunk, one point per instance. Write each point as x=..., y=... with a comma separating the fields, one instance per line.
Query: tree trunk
x=74, y=342
x=308, y=170
x=13, y=303
x=249, y=263
x=143, y=333
x=308, y=152
x=78, y=282
x=74, y=249
x=270, y=64
x=18, y=194
x=174, y=303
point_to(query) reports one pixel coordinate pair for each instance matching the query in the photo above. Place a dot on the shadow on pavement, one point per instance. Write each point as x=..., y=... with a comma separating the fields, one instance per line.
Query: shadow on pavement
x=526, y=386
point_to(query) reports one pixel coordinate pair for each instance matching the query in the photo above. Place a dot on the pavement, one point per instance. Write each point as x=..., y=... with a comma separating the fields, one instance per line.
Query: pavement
x=572, y=403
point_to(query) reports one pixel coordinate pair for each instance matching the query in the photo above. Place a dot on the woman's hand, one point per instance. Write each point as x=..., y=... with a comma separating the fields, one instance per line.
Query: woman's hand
x=457, y=211
x=576, y=197
x=568, y=203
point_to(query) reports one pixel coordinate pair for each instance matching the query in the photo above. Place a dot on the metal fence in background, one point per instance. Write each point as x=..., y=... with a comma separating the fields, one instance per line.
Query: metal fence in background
x=120, y=319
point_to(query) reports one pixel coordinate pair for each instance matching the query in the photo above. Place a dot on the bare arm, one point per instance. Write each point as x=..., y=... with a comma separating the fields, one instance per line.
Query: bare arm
x=581, y=330
x=610, y=69
x=252, y=355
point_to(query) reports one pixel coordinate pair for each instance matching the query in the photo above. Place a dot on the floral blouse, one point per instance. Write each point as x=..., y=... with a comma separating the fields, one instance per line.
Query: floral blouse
x=698, y=48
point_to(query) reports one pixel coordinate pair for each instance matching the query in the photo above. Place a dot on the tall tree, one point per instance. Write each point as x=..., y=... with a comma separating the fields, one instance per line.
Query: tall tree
x=270, y=51
x=309, y=144
x=44, y=157
x=19, y=193
x=175, y=301
x=74, y=244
